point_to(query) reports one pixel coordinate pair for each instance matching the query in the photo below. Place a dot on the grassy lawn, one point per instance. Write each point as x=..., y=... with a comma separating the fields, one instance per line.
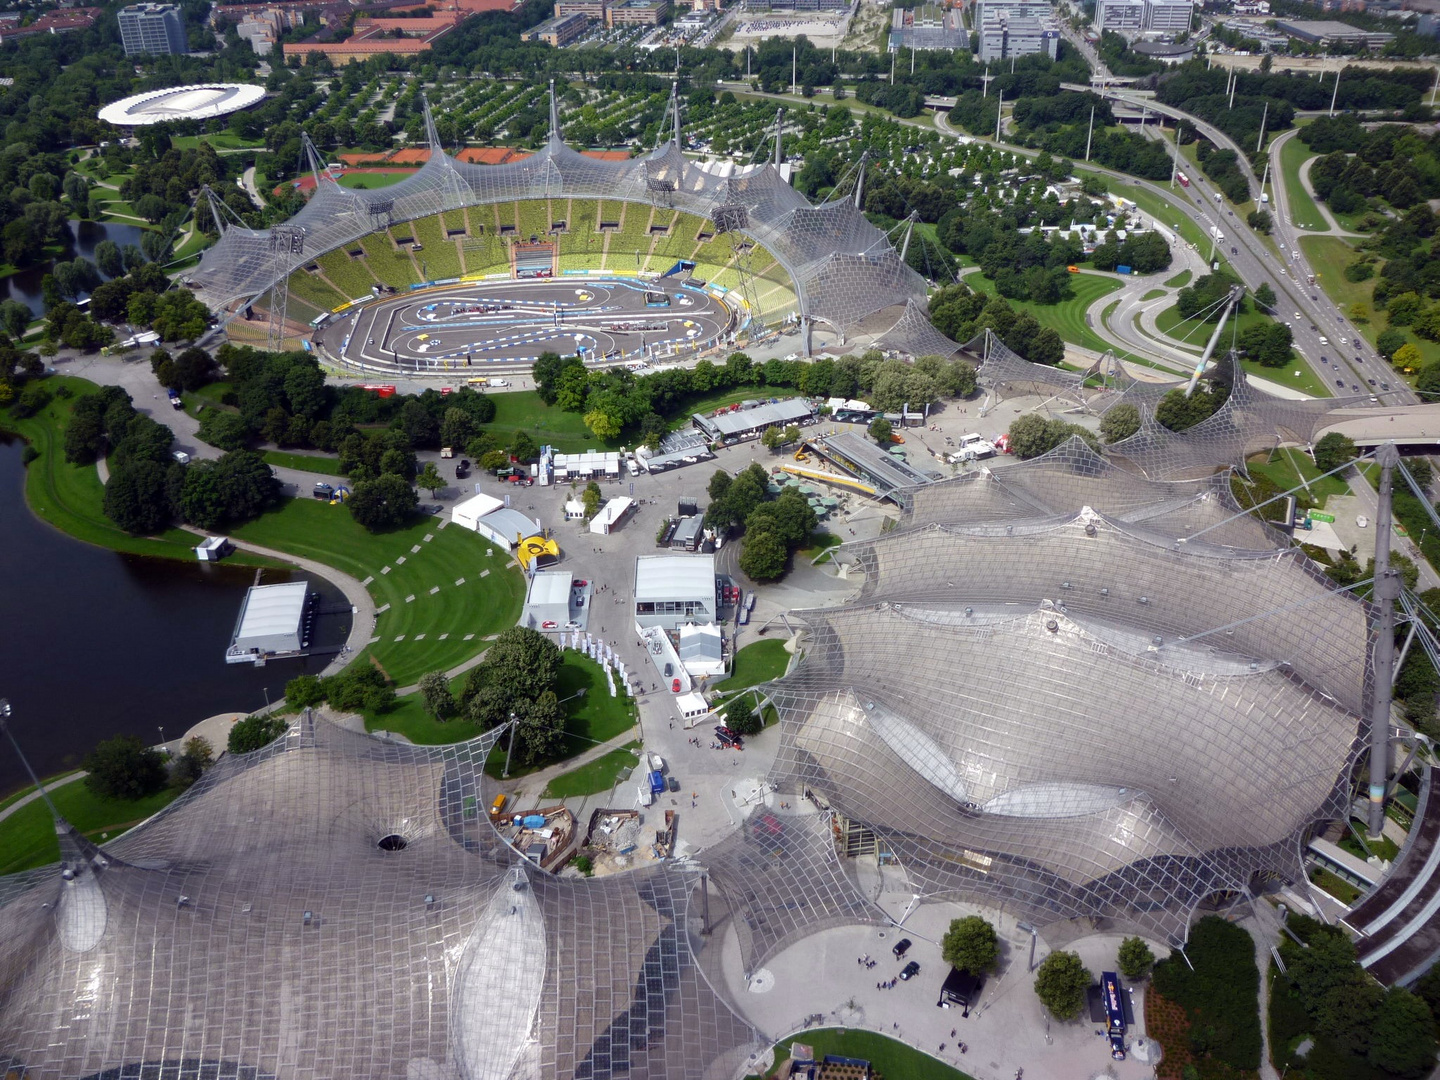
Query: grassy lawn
x=1163, y=211
x=70, y=497
x=891, y=1059
x=373, y=179
x=821, y=543
x=442, y=590
x=1303, y=211
x=594, y=717
x=1180, y=280
x=758, y=662
x=223, y=140
x=316, y=463
x=596, y=776
x=27, y=837
x=1330, y=255
x=1287, y=466
x=1336, y=886
x=1153, y=294
x=1195, y=334
x=1066, y=318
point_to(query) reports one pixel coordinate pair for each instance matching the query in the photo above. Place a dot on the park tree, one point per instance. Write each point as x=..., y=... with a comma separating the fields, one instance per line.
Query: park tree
x=304, y=691
x=520, y=665
x=602, y=424
x=763, y=556
x=592, y=499
x=741, y=717
x=523, y=447
x=1402, y=1038
x=1260, y=221
x=254, y=732
x=196, y=756
x=1060, y=984
x=430, y=479
x=1333, y=450
x=1120, y=422
x=771, y=439
x=1265, y=295
x=971, y=945
x=124, y=768
x=1388, y=342
x=1407, y=357
x=456, y=428
x=435, y=693
x=136, y=498
x=1135, y=958
x=881, y=431
x=540, y=728
x=382, y=503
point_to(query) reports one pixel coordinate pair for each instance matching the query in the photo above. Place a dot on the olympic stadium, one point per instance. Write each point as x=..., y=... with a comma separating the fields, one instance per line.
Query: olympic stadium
x=748, y=242
x=202, y=101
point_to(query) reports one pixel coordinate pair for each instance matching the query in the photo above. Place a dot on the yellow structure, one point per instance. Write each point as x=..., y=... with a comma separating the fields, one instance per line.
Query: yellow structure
x=536, y=547
x=829, y=478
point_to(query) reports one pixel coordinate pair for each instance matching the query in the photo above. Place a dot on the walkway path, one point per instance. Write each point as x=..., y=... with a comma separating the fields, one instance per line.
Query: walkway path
x=51, y=786
x=1335, y=227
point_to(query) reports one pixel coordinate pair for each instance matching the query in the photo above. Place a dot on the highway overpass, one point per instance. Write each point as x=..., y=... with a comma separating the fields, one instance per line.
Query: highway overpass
x=1411, y=425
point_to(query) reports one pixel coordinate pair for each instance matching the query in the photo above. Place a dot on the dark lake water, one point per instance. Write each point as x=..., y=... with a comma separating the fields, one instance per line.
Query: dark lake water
x=84, y=235
x=94, y=643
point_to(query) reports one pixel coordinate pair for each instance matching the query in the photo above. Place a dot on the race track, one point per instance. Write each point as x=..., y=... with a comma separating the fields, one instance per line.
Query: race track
x=490, y=324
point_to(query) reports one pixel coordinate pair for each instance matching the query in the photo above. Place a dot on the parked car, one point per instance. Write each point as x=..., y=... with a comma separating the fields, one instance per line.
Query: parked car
x=909, y=971
x=674, y=784
x=902, y=947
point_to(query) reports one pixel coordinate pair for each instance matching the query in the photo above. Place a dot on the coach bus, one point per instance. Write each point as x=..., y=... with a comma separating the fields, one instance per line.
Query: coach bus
x=1114, y=1013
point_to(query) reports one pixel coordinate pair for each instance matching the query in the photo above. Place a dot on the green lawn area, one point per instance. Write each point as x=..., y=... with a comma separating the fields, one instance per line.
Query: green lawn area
x=429, y=622
x=373, y=179
x=1287, y=466
x=1330, y=255
x=1153, y=294
x=1303, y=211
x=1336, y=886
x=1165, y=212
x=316, y=463
x=596, y=776
x=1195, y=334
x=594, y=717
x=70, y=497
x=1067, y=318
x=524, y=411
x=27, y=837
x=223, y=140
x=891, y=1059
x=1180, y=280
x=758, y=662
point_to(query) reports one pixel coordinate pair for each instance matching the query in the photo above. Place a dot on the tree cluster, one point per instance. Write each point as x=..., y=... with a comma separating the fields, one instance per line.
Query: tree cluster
x=961, y=313
x=1178, y=412
x=1352, y=1018
x=1032, y=435
x=517, y=680
x=1217, y=983
x=774, y=526
x=255, y=732
x=124, y=768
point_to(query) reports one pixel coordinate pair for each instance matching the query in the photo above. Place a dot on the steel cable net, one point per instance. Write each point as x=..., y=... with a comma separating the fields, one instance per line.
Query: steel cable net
x=843, y=267
x=782, y=880
x=1013, y=708
x=259, y=927
x=1075, y=475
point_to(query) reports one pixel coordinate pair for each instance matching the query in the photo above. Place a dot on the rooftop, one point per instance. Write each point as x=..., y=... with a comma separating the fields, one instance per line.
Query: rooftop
x=668, y=577
x=272, y=609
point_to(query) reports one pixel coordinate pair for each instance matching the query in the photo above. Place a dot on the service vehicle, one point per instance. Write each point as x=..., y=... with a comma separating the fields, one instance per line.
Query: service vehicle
x=1114, y=1013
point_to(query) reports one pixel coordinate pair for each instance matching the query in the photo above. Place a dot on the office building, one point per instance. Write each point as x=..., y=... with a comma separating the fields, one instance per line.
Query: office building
x=637, y=13
x=151, y=30
x=1168, y=16
x=1120, y=16
x=1003, y=35
x=672, y=590
x=591, y=9
x=559, y=31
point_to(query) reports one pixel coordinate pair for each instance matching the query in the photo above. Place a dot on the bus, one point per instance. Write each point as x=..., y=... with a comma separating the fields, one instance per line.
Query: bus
x=1114, y=1013
x=1184, y=180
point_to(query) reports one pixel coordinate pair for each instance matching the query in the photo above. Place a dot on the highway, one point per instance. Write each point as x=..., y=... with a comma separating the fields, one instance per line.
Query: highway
x=1349, y=371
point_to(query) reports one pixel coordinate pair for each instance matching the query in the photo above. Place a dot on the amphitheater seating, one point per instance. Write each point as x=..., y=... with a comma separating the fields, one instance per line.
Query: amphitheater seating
x=315, y=291
x=533, y=219
x=452, y=220
x=351, y=276
x=485, y=255
x=391, y=266
x=441, y=256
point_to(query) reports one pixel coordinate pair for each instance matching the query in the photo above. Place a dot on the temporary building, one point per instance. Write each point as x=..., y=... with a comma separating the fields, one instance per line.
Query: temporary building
x=469, y=512
x=702, y=650
x=269, y=623
x=611, y=515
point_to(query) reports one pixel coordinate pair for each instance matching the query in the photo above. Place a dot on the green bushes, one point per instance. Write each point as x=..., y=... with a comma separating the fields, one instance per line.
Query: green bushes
x=1220, y=996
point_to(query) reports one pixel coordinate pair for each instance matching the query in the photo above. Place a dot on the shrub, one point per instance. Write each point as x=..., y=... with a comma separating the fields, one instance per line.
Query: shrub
x=254, y=732
x=1221, y=994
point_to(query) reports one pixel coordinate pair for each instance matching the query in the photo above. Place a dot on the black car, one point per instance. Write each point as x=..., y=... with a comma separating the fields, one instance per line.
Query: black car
x=902, y=947
x=674, y=784
x=1340, y=383
x=1384, y=386
x=1370, y=381
x=909, y=971
x=462, y=471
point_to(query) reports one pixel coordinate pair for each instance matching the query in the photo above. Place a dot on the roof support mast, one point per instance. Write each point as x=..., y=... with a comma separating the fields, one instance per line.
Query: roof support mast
x=1235, y=293
x=1385, y=591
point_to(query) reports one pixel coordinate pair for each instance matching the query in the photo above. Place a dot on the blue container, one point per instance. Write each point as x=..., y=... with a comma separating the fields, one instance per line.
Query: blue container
x=534, y=821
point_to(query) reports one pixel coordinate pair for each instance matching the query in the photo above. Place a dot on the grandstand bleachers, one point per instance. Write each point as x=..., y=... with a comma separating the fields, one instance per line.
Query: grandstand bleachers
x=389, y=265
x=441, y=256
x=350, y=276
x=315, y=290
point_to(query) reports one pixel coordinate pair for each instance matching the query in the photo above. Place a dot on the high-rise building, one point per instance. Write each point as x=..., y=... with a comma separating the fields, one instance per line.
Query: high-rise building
x=152, y=30
x=1168, y=16
x=1003, y=35
x=1120, y=16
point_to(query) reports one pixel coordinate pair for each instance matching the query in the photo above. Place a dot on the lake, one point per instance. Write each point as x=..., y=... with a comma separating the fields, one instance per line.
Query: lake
x=24, y=285
x=94, y=643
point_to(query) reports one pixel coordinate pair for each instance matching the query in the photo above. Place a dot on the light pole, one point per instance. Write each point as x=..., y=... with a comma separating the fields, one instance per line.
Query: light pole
x=162, y=734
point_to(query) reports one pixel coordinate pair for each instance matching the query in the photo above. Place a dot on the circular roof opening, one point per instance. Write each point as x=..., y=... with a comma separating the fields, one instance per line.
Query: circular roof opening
x=392, y=842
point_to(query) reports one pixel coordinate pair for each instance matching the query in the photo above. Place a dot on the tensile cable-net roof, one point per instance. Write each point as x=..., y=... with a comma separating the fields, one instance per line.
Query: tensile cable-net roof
x=259, y=927
x=1074, y=715
x=844, y=268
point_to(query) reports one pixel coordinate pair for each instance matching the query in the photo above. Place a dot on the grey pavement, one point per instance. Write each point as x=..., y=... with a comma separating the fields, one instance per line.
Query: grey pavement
x=26, y=800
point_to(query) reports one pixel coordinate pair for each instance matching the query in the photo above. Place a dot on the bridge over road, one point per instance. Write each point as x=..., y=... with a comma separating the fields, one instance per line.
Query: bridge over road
x=1412, y=425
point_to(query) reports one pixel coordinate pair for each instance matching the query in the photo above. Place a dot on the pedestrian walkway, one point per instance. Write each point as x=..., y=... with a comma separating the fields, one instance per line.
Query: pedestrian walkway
x=51, y=786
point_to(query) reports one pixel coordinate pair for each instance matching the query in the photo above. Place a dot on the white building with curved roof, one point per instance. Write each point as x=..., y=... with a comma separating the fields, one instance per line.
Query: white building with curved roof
x=202, y=101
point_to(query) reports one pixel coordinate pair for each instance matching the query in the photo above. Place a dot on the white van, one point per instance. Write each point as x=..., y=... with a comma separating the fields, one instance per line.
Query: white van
x=1325, y=341
x=646, y=798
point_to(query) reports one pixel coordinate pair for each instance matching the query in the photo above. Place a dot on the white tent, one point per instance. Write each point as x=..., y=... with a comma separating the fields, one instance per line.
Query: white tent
x=469, y=512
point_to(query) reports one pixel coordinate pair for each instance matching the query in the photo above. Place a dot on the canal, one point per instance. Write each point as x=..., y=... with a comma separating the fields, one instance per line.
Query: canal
x=94, y=643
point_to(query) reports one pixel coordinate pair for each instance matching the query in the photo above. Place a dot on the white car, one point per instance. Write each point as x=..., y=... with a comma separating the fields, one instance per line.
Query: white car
x=1297, y=316
x=792, y=356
